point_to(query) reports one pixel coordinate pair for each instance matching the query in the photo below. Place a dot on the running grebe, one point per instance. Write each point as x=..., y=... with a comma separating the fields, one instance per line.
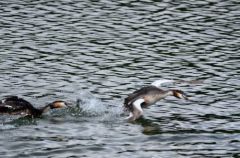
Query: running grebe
x=18, y=106
x=147, y=96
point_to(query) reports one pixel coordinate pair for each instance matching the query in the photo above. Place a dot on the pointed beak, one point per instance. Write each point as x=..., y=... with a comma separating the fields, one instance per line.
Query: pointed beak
x=182, y=96
x=185, y=97
x=66, y=105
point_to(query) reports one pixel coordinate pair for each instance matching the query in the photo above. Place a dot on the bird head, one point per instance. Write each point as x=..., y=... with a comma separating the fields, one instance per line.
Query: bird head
x=58, y=104
x=179, y=94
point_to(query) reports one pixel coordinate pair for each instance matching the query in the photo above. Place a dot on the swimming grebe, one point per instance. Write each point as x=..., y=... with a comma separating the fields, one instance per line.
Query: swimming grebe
x=18, y=106
x=147, y=96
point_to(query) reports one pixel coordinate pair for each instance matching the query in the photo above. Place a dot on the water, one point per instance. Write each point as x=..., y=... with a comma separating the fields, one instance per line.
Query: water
x=105, y=50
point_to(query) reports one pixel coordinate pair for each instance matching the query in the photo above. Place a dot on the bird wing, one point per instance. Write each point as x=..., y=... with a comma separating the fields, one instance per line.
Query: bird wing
x=137, y=105
x=138, y=94
x=131, y=98
x=137, y=110
x=159, y=83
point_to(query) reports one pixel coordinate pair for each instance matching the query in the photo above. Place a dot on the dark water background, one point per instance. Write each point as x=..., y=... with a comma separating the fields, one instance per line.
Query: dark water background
x=102, y=50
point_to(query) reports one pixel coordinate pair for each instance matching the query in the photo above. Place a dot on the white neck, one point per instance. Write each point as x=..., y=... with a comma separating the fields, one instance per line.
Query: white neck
x=163, y=95
x=46, y=108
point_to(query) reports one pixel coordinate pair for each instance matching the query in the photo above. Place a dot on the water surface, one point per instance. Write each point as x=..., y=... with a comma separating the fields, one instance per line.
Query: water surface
x=101, y=51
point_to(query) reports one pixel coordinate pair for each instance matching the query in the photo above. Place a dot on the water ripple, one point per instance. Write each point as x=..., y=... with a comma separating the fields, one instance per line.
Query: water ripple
x=60, y=49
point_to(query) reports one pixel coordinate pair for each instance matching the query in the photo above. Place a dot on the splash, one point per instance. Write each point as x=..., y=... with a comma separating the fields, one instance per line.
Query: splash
x=90, y=106
x=114, y=112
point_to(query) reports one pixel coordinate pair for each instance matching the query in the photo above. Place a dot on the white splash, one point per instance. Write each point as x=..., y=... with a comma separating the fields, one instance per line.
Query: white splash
x=90, y=106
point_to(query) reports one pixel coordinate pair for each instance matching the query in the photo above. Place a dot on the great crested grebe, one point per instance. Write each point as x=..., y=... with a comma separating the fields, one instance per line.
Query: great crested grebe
x=147, y=96
x=18, y=106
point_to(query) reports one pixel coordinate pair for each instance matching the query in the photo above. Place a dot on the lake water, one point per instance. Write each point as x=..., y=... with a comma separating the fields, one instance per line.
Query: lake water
x=99, y=51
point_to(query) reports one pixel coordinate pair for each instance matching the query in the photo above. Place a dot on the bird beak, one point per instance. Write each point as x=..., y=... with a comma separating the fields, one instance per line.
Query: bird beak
x=182, y=96
x=66, y=105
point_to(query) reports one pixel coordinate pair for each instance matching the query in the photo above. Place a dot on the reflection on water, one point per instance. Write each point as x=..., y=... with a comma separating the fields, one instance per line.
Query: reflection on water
x=59, y=49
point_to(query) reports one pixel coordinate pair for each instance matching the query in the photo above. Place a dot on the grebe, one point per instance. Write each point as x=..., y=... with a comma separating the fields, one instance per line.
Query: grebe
x=18, y=106
x=147, y=96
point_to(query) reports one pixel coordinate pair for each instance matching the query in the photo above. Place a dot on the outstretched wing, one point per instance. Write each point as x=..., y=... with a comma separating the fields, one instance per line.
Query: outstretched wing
x=162, y=82
x=138, y=94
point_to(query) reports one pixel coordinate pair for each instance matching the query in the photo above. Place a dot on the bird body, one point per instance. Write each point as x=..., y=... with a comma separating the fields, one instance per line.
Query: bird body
x=147, y=96
x=150, y=94
x=17, y=106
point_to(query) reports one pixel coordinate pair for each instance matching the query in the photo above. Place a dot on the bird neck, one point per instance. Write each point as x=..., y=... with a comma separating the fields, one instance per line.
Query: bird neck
x=165, y=94
x=46, y=108
x=35, y=112
x=170, y=92
x=38, y=112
